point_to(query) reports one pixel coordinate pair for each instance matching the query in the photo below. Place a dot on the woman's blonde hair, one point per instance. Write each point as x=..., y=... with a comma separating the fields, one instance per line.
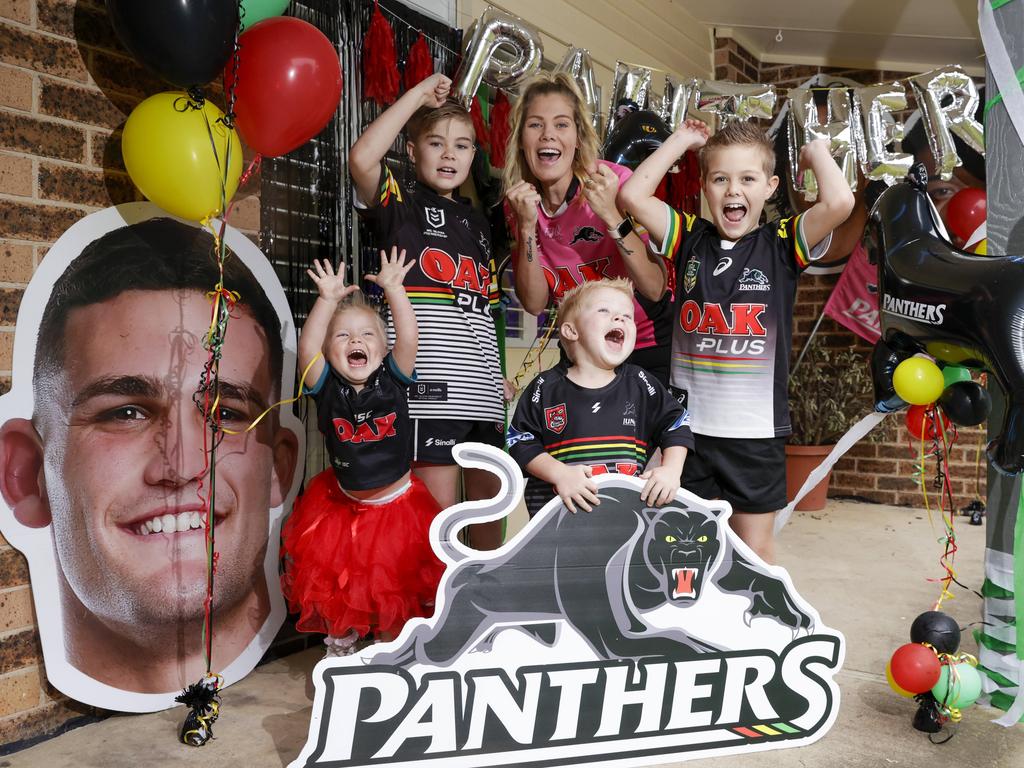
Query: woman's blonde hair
x=587, y=147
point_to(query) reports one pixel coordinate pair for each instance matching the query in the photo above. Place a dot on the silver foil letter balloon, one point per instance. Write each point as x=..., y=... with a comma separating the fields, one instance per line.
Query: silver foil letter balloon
x=502, y=50
x=806, y=126
x=580, y=67
x=952, y=86
x=877, y=129
x=676, y=99
x=631, y=91
x=728, y=101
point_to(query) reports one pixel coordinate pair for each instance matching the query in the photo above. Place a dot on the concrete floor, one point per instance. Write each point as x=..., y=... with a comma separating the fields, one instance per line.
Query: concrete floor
x=863, y=566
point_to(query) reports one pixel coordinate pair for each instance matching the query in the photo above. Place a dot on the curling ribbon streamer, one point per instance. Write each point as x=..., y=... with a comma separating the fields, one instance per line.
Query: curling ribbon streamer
x=846, y=442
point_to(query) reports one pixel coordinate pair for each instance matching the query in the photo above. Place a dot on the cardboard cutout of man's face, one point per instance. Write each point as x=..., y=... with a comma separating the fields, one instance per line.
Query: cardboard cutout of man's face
x=104, y=469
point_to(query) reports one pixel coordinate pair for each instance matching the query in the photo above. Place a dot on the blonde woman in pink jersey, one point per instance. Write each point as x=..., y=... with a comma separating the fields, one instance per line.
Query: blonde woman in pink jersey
x=560, y=204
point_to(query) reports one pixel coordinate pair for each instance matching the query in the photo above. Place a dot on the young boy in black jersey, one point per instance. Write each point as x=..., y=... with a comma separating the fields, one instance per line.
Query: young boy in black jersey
x=356, y=548
x=459, y=394
x=600, y=414
x=735, y=288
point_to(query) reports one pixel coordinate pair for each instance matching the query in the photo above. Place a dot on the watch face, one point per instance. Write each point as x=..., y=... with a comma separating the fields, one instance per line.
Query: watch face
x=624, y=228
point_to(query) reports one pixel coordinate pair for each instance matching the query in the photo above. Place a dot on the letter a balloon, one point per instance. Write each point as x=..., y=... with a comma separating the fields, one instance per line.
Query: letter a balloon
x=176, y=154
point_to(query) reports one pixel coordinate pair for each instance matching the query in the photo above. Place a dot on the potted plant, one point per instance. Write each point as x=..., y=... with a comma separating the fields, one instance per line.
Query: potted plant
x=828, y=392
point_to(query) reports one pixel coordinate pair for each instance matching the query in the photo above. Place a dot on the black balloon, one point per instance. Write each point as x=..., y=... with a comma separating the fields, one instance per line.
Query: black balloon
x=186, y=42
x=634, y=137
x=966, y=403
x=960, y=308
x=927, y=718
x=938, y=629
x=883, y=362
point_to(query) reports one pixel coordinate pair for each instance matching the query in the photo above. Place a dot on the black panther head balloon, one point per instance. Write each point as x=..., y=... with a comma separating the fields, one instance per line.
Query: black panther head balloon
x=635, y=136
x=960, y=308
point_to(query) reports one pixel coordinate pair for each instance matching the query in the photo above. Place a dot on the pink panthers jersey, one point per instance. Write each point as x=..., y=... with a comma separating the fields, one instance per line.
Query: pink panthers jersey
x=575, y=247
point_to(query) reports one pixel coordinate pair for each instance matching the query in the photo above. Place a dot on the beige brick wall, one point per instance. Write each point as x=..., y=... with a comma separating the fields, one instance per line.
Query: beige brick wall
x=66, y=88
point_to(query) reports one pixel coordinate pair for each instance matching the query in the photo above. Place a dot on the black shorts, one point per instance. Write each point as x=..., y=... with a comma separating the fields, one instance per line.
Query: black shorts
x=432, y=439
x=749, y=473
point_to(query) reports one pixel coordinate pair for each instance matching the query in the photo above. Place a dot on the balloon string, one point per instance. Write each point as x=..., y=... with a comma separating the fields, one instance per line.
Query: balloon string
x=258, y=419
x=533, y=357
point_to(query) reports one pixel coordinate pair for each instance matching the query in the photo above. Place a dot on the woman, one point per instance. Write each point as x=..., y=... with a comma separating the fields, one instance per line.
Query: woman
x=562, y=213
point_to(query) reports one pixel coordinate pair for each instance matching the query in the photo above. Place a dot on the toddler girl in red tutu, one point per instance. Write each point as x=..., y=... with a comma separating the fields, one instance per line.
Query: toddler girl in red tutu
x=356, y=551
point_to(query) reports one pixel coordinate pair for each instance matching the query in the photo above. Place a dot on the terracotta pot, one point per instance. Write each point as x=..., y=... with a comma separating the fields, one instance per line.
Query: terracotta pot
x=800, y=461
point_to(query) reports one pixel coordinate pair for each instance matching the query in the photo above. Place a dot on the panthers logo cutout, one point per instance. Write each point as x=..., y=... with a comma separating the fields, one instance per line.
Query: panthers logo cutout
x=630, y=633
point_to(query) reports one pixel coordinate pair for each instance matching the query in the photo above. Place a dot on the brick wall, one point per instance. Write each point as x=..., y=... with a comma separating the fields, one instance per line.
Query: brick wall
x=881, y=469
x=66, y=88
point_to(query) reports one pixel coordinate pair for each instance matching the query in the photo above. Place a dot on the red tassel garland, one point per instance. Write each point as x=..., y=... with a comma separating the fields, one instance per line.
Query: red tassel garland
x=380, y=63
x=419, y=65
x=500, y=129
x=483, y=136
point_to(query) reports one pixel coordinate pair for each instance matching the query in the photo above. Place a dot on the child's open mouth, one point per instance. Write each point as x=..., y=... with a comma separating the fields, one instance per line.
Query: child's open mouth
x=735, y=212
x=447, y=171
x=356, y=358
x=616, y=337
x=548, y=156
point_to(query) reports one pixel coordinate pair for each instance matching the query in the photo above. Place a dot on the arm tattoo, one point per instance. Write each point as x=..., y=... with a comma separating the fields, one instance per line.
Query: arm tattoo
x=623, y=248
x=529, y=249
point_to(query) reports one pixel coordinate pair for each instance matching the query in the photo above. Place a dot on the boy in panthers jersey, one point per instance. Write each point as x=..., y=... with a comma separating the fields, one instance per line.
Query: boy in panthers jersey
x=600, y=414
x=735, y=289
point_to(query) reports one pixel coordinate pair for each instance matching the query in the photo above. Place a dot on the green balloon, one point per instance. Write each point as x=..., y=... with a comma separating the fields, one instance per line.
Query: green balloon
x=258, y=10
x=962, y=691
x=951, y=374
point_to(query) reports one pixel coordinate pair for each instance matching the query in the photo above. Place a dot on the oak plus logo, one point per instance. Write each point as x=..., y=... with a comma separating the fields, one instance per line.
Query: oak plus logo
x=627, y=636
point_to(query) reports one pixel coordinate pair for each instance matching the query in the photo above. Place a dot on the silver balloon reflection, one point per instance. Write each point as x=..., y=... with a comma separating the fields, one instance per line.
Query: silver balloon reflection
x=805, y=127
x=953, y=85
x=630, y=83
x=502, y=50
x=676, y=99
x=726, y=101
x=580, y=67
x=877, y=129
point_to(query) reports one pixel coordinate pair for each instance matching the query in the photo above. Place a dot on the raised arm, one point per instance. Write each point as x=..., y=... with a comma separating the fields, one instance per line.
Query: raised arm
x=637, y=195
x=835, y=199
x=531, y=286
x=366, y=154
x=391, y=278
x=331, y=289
x=646, y=271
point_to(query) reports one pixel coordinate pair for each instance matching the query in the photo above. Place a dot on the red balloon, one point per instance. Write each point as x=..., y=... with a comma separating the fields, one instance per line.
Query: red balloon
x=921, y=424
x=287, y=85
x=915, y=667
x=965, y=212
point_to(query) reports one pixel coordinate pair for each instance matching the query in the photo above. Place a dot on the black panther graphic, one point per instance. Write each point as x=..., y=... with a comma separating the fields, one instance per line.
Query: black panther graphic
x=589, y=234
x=598, y=571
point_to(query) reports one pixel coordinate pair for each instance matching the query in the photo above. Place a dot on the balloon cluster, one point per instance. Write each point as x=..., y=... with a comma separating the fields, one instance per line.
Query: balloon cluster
x=937, y=397
x=931, y=670
x=959, y=308
x=282, y=78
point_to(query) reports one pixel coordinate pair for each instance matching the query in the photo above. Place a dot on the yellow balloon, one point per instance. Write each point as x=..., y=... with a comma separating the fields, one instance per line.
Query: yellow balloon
x=980, y=247
x=893, y=684
x=169, y=154
x=918, y=381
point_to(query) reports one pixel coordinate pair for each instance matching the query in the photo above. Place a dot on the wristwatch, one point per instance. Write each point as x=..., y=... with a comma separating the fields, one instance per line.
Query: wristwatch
x=621, y=232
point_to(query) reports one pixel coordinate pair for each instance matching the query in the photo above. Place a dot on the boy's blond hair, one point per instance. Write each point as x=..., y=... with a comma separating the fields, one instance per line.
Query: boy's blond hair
x=356, y=302
x=588, y=145
x=573, y=299
x=425, y=118
x=739, y=133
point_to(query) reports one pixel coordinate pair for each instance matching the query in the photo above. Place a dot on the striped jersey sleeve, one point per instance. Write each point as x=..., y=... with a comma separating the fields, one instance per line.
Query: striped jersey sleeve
x=791, y=231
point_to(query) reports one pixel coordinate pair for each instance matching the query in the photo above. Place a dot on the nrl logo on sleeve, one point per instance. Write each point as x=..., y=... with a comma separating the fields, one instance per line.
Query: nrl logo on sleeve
x=629, y=635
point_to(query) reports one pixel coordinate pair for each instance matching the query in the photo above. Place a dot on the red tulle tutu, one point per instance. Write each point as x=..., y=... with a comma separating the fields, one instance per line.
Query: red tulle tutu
x=352, y=565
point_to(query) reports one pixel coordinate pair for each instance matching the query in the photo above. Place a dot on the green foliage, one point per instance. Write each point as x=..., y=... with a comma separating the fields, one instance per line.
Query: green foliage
x=828, y=393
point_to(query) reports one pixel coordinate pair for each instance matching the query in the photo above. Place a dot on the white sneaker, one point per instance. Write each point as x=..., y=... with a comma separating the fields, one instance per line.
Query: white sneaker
x=341, y=646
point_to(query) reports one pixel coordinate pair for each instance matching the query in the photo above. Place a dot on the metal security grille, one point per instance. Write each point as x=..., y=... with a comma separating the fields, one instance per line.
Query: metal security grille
x=306, y=197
